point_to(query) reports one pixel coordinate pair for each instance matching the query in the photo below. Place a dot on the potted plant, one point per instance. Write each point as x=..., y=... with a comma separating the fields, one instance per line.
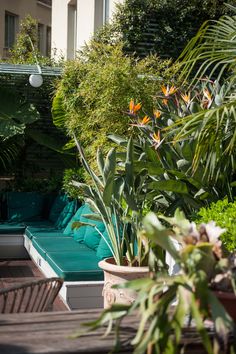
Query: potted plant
x=117, y=197
x=165, y=304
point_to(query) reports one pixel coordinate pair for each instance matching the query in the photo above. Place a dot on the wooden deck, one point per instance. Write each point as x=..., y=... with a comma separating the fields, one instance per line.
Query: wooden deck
x=15, y=272
x=52, y=333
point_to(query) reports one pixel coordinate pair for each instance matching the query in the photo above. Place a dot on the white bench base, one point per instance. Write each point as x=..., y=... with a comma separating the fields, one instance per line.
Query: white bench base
x=75, y=294
x=12, y=247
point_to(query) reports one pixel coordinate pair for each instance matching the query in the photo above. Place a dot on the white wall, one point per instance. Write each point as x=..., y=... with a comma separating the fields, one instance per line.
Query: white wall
x=85, y=21
x=59, y=27
x=89, y=17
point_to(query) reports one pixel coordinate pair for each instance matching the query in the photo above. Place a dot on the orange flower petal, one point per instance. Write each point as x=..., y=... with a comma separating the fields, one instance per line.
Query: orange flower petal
x=131, y=106
x=207, y=94
x=172, y=90
x=145, y=120
x=157, y=114
x=186, y=97
x=165, y=102
x=164, y=90
x=157, y=136
x=137, y=107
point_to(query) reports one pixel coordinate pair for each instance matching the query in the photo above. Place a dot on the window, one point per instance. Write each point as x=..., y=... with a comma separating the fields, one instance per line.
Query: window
x=106, y=10
x=41, y=38
x=11, y=25
x=48, y=42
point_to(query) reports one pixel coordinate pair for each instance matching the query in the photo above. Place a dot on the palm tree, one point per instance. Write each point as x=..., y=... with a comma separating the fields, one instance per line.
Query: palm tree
x=212, y=54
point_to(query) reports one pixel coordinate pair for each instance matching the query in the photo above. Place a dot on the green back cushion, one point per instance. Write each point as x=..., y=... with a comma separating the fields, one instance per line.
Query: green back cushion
x=68, y=230
x=65, y=215
x=24, y=206
x=57, y=207
x=103, y=251
x=92, y=236
x=14, y=228
x=79, y=233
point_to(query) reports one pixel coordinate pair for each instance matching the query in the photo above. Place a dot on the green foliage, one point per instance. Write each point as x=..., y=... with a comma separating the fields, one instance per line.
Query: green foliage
x=15, y=115
x=29, y=184
x=172, y=181
x=176, y=22
x=118, y=199
x=9, y=151
x=76, y=174
x=212, y=52
x=224, y=214
x=160, y=323
x=96, y=88
x=25, y=50
x=18, y=119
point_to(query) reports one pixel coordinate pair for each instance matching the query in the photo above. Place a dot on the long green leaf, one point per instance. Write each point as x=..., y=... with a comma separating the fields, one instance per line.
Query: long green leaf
x=159, y=234
x=175, y=186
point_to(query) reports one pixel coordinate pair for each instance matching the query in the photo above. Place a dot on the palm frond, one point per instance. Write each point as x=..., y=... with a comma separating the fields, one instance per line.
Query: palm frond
x=9, y=151
x=215, y=133
x=58, y=112
x=212, y=51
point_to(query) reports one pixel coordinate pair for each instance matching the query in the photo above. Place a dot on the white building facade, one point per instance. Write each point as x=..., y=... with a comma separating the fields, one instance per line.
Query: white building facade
x=75, y=21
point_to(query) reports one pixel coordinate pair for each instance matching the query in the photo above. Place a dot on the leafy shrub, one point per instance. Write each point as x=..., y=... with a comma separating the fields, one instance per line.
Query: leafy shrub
x=29, y=184
x=224, y=214
x=160, y=26
x=97, y=87
x=76, y=174
x=25, y=50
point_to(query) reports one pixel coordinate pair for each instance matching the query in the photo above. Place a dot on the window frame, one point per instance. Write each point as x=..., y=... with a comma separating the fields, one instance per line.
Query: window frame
x=8, y=41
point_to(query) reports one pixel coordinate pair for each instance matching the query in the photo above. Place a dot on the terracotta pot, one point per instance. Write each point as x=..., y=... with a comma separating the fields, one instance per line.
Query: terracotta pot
x=113, y=275
x=228, y=300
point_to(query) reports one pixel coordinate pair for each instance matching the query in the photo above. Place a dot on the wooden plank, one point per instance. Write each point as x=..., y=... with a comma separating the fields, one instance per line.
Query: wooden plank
x=52, y=332
x=49, y=333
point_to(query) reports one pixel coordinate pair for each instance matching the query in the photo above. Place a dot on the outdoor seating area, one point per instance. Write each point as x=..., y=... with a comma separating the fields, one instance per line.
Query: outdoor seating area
x=118, y=177
x=56, y=248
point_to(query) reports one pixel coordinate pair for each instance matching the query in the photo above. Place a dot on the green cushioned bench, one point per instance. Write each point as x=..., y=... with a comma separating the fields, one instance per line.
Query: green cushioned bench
x=72, y=254
x=60, y=249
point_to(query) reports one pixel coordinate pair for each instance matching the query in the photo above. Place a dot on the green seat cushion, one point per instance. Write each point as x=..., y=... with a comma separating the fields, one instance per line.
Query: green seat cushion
x=57, y=207
x=79, y=233
x=103, y=251
x=23, y=206
x=31, y=233
x=69, y=230
x=65, y=215
x=65, y=244
x=75, y=265
x=38, y=227
x=12, y=228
